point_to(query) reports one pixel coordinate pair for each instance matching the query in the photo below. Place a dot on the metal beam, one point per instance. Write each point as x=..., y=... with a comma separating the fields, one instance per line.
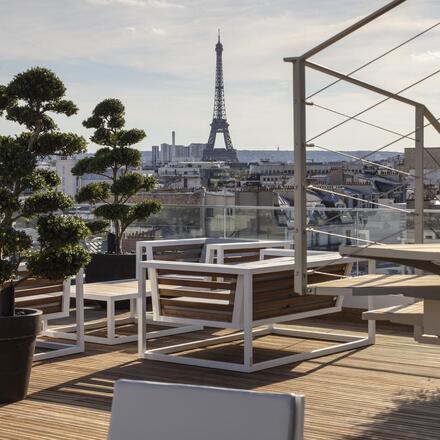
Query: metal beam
x=354, y=27
x=362, y=84
x=300, y=211
x=432, y=119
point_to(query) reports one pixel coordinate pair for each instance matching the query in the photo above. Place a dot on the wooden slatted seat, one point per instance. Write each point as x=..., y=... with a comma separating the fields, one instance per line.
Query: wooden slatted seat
x=42, y=294
x=52, y=297
x=273, y=295
x=185, y=294
x=404, y=314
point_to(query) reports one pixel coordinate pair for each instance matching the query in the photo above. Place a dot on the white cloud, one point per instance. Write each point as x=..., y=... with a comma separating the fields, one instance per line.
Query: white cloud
x=121, y=2
x=157, y=31
x=165, y=4
x=130, y=29
x=120, y=49
x=426, y=56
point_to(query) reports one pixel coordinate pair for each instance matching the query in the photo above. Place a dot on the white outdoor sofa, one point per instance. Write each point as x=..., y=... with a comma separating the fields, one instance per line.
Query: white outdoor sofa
x=159, y=411
x=250, y=298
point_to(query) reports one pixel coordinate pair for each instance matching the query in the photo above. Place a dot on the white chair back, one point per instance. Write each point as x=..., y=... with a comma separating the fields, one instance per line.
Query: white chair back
x=157, y=411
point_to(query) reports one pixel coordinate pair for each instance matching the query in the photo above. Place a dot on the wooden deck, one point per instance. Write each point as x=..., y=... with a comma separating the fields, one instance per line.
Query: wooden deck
x=390, y=391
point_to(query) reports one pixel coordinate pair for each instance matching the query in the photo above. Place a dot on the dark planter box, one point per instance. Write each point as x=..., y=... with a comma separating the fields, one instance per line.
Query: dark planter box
x=17, y=344
x=110, y=267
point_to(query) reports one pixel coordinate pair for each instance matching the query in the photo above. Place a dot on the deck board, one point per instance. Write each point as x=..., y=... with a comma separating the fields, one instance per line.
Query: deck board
x=388, y=391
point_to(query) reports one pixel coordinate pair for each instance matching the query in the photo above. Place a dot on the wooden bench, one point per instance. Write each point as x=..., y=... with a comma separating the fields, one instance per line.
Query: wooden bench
x=426, y=287
x=247, y=297
x=52, y=297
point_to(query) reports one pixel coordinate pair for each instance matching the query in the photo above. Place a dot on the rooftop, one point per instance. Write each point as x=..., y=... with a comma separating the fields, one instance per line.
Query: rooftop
x=390, y=390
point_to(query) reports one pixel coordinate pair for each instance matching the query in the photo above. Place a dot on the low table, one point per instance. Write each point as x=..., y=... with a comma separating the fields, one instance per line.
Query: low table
x=111, y=292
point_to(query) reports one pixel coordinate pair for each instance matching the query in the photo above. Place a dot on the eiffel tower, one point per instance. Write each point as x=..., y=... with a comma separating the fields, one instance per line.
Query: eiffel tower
x=219, y=123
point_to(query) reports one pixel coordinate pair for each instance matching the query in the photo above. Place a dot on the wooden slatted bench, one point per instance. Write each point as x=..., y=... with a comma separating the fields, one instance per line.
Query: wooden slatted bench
x=426, y=317
x=52, y=297
x=248, y=297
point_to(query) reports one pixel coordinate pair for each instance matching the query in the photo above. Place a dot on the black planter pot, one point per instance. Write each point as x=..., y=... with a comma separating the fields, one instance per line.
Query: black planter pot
x=7, y=301
x=110, y=267
x=17, y=344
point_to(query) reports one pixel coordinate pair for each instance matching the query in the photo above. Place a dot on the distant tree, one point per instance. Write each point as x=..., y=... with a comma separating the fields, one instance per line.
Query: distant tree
x=115, y=162
x=27, y=191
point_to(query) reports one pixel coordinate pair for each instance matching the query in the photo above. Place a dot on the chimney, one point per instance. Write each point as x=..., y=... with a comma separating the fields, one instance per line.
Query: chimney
x=173, y=137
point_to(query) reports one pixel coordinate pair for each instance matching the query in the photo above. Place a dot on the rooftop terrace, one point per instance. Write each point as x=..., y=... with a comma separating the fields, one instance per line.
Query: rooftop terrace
x=390, y=390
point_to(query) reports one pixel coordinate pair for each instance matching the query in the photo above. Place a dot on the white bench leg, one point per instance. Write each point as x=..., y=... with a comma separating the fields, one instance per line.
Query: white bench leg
x=110, y=320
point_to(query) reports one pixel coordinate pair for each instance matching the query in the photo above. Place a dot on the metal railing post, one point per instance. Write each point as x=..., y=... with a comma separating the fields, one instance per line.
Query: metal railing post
x=419, y=190
x=300, y=212
x=224, y=222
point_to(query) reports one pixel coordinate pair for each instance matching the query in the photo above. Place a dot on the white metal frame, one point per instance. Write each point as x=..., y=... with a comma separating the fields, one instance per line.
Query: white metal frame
x=216, y=251
x=57, y=349
x=247, y=328
x=146, y=247
x=111, y=337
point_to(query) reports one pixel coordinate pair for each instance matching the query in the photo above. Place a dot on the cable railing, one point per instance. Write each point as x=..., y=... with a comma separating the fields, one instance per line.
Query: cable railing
x=300, y=64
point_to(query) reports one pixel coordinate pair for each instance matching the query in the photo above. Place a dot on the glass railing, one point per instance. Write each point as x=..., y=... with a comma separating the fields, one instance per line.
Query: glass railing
x=329, y=228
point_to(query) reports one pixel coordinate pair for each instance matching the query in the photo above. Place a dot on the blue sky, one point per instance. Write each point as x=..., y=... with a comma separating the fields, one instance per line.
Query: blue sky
x=158, y=57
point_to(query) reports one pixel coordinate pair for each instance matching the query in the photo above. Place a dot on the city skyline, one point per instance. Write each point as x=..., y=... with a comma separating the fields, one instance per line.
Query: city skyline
x=158, y=57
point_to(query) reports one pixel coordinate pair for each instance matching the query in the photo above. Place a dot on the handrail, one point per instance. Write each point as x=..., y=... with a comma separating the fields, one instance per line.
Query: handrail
x=354, y=27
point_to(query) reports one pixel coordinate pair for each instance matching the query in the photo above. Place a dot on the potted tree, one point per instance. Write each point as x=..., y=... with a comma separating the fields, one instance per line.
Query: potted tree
x=27, y=191
x=115, y=163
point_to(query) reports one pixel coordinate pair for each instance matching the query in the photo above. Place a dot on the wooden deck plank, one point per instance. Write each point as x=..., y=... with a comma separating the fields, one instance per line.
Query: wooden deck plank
x=388, y=391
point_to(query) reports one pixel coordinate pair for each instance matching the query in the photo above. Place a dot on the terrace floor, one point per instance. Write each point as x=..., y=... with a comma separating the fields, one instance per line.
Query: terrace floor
x=390, y=391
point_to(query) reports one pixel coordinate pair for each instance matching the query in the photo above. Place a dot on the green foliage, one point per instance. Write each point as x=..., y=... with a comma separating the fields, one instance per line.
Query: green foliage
x=114, y=212
x=58, y=262
x=97, y=226
x=6, y=270
x=45, y=202
x=33, y=93
x=143, y=210
x=44, y=179
x=93, y=193
x=56, y=230
x=115, y=161
x=106, y=158
x=108, y=114
x=17, y=162
x=30, y=99
x=129, y=184
x=8, y=202
x=58, y=143
x=14, y=242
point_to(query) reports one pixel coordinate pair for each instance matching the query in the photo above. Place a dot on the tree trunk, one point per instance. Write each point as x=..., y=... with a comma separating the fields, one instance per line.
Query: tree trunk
x=118, y=247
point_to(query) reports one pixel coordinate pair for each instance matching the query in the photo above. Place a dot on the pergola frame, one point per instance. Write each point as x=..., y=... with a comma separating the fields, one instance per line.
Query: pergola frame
x=299, y=65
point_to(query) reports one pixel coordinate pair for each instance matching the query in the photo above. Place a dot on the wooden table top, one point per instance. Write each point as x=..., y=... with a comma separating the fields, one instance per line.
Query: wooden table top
x=428, y=251
x=123, y=289
x=418, y=286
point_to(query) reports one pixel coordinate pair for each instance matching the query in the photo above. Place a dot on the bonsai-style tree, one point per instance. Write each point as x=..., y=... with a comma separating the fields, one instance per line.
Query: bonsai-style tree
x=115, y=162
x=27, y=191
